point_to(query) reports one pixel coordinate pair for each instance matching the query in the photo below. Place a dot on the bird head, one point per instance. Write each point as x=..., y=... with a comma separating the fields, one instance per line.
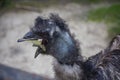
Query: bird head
x=52, y=37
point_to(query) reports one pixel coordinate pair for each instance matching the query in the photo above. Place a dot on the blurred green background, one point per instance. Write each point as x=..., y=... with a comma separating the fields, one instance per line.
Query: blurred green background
x=110, y=15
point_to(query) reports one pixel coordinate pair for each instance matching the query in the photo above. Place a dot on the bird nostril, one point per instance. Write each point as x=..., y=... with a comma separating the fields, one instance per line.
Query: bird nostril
x=27, y=36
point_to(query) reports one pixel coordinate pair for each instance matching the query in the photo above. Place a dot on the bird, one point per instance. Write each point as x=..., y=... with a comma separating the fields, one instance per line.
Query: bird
x=52, y=36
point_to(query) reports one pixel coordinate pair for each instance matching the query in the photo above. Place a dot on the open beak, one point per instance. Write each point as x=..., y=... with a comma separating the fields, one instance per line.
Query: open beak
x=31, y=37
x=36, y=40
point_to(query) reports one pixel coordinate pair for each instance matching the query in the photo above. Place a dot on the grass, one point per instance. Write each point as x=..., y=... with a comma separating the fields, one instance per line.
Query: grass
x=86, y=1
x=38, y=4
x=8, y=5
x=110, y=15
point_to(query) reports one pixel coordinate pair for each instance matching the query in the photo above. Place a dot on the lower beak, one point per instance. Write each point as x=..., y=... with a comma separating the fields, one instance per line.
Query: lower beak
x=38, y=51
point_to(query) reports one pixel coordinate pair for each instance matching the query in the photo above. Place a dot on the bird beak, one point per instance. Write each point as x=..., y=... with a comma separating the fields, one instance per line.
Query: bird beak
x=28, y=37
x=36, y=40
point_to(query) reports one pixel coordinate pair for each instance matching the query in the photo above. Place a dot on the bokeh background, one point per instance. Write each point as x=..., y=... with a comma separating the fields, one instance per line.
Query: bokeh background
x=94, y=23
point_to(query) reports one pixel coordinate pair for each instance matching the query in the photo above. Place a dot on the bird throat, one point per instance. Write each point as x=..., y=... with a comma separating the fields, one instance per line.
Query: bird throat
x=38, y=43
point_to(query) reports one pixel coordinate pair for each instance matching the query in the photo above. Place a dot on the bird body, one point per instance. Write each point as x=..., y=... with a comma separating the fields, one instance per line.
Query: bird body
x=69, y=63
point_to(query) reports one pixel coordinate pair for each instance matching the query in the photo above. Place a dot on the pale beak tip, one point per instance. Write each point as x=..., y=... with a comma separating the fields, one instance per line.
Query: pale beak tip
x=20, y=40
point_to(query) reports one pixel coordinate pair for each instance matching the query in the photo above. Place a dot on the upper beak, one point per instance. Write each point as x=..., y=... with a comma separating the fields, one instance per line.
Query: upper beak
x=28, y=37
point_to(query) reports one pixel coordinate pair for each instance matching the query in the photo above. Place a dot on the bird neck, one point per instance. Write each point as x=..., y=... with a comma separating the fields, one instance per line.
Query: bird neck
x=68, y=64
x=69, y=72
x=65, y=49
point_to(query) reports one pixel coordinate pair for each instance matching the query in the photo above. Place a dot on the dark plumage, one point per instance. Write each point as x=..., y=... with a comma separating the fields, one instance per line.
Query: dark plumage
x=69, y=64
